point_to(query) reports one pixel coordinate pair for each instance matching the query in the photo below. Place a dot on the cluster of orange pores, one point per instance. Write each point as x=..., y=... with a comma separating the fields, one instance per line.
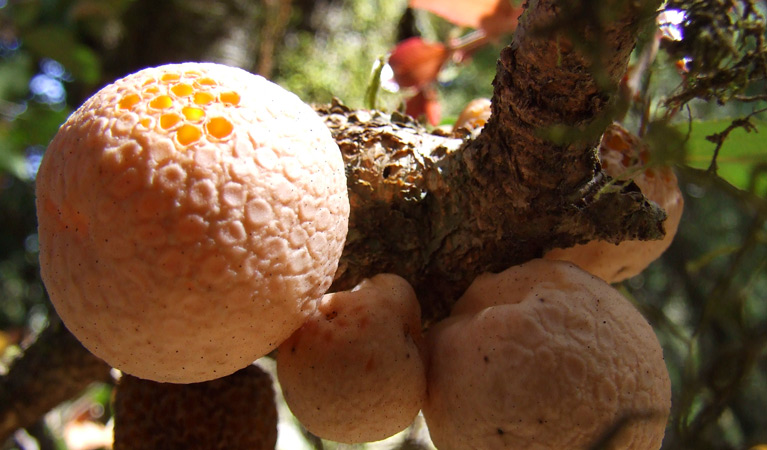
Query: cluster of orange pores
x=182, y=101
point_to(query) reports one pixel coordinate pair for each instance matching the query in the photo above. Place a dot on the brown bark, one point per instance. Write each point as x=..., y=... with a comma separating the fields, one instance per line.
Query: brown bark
x=174, y=31
x=235, y=412
x=55, y=368
x=439, y=210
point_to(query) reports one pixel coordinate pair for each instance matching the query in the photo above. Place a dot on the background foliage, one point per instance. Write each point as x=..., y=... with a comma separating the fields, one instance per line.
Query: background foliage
x=707, y=296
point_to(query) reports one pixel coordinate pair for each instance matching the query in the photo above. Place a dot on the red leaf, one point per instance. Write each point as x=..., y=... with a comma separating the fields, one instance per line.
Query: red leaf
x=495, y=17
x=425, y=103
x=416, y=63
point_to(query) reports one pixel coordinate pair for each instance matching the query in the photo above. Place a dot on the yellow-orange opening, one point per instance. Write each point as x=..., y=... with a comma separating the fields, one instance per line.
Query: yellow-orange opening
x=206, y=82
x=231, y=98
x=161, y=102
x=168, y=120
x=193, y=114
x=182, y=89
x=203, y=98
x=170, y=77
x=188, y=134
x=129, y=101
x=219, y=127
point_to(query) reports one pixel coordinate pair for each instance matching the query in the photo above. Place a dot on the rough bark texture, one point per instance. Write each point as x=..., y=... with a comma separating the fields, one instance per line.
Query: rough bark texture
x=438, y=210
x=236, y=412
x=55, y=368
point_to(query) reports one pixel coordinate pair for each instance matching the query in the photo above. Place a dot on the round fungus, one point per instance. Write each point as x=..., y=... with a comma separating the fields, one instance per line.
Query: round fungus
x=474, y=115
x=622, y=154
x=353, y=372
x=190, y=217
x=545, y=356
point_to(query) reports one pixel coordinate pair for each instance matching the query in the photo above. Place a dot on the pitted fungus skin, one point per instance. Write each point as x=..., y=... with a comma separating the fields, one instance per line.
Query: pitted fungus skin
x=545, y=356
x=354, y=372
x=168, y=247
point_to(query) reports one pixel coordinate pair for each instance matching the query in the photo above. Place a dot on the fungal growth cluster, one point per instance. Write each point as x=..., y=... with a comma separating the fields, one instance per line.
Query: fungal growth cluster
x=354, y=372
x=191, y=220
x=545, y=355
x=190, y=216
x=624, y=157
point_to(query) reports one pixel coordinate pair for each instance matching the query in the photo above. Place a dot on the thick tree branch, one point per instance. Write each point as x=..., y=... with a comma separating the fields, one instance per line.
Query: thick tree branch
x=439, y=212
x=55, y=368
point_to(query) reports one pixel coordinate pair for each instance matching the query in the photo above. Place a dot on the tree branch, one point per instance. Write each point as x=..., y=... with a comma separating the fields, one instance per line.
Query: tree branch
x=55, y=368
x=439, y=211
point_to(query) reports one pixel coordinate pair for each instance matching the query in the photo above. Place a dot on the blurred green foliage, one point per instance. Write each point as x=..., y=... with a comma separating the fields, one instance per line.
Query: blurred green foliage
x=335, y=57
x=705, y=298
x=743, y=154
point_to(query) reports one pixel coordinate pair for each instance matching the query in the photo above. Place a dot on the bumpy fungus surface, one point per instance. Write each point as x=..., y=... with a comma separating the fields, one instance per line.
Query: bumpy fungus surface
x=236, y=412
x=353, y=372
x=190, y=216
x=474, y=115
x=545, y=356
x=622, y=155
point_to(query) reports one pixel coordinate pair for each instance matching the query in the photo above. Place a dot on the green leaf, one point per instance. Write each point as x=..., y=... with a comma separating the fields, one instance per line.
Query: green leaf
x=59, y=43
x=371, y=93
x=742, y=159
x=15, y=72
x=11, y=160
x=35, y=126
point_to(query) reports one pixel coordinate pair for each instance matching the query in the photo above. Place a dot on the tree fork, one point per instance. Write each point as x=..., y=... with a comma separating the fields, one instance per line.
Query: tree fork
x=439, y=211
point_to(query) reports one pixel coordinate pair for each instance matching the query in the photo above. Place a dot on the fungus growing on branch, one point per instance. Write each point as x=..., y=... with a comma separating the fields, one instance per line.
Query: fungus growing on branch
x=545, y=356
x=354, y=372
x=190, y=216
x=623, y=156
